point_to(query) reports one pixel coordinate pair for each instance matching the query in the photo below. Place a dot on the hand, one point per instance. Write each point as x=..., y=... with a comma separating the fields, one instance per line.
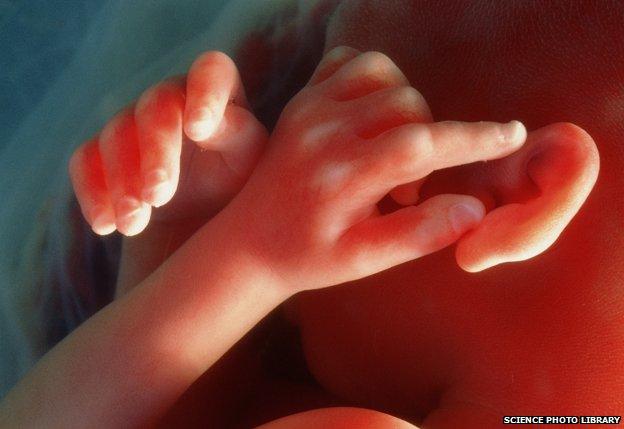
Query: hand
x=189, y=143
x=353, y=134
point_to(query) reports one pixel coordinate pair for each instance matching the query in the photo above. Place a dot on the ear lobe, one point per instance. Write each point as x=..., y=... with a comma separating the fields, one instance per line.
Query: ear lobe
x=562, y=161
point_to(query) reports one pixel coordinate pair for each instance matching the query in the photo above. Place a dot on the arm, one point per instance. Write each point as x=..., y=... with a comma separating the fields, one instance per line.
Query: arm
x=153, y=343
x=306, y=219
x=141, y=255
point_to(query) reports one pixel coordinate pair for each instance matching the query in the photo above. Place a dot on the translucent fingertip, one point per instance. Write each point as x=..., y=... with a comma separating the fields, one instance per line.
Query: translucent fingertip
x=156, y=188
x=103, y=221
x=465, y=216
x=200, y=125
x=131, y=215
x=514, y=132
x=103, y=226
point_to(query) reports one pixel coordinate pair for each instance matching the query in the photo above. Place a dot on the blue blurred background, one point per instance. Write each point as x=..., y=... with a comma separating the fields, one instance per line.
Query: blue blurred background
x=65, y=68
x=37, y=40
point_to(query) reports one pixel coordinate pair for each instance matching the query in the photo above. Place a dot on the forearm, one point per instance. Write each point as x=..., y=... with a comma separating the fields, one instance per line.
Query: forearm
x=143, y=254
x=131, y=361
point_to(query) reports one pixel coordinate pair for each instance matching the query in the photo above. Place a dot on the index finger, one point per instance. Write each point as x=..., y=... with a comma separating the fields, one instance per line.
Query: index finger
x=411, y=152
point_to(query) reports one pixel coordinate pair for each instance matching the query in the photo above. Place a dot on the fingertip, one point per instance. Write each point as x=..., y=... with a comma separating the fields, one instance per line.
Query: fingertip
x=514, y=133
x=471, y=258
x=103, y=221
x=157, y=196
x=466, y=215
x=131, y=215
x=200, y=124
x=468, y=265
x=157, y=188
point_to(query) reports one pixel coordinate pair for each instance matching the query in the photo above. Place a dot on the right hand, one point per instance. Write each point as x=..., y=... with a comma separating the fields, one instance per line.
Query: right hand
x=353, y=134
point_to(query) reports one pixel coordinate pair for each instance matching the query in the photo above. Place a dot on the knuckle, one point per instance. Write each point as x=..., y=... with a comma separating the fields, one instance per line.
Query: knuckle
x=331, y=180
x=119, y=124
x=418, y=146
x=410, y=154
x=406, y=156
x=407, y=99
x=308, y=103
x=378, y=64
x=456, y=130
x=407, y=95
x=163, y=94
x=377, y=58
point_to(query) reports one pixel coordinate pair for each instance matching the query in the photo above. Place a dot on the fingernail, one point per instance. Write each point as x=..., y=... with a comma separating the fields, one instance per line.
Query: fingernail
x=126, y=207
x=103, y=222
x=465, y=216
x=155, y=178
x=132, y=215
x=201, y=124
x=513, y=132
x=156, y=188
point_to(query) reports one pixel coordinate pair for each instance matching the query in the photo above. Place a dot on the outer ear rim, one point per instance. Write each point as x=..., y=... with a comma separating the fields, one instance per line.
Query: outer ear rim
x=564, y=164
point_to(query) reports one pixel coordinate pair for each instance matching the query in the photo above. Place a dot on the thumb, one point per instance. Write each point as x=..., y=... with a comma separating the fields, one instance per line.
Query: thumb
x=381, y=242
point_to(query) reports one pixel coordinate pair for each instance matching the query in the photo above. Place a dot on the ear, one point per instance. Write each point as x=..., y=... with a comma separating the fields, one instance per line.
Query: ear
x=561, y=163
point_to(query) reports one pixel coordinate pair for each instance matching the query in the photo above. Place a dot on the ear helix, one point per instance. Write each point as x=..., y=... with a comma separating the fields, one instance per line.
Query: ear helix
x=563, y=163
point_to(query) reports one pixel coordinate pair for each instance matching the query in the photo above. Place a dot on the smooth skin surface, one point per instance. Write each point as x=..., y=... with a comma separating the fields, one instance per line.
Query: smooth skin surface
x=325, y=169
x=166, y=163
x=452, y=349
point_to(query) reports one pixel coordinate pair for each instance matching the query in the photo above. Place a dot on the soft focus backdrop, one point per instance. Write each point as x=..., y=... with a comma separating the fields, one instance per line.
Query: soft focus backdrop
x=65, y=69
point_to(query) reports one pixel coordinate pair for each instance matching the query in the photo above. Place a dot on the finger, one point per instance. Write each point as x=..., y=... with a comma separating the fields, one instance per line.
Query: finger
x=366, y=73
x=331, y=62
x=408, y=193
x=87, y=177
x=240, y=138
x=158, y=116
x=413, y=151
x=212, y=82
x=119, y=149
x=388, y=108
x=382, y=242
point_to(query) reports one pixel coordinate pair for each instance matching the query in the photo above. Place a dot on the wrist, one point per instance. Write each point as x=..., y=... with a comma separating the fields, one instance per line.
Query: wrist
x=225, y=250
x=212, y=280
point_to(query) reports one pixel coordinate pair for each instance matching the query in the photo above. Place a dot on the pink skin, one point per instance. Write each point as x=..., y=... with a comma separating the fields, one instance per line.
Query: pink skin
x=426, y=340
x=135, y=162
x=148, y=139
x=451, y=349
x=293, y=218
x=319, y=225
x=306, y=219
x=160, y=163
